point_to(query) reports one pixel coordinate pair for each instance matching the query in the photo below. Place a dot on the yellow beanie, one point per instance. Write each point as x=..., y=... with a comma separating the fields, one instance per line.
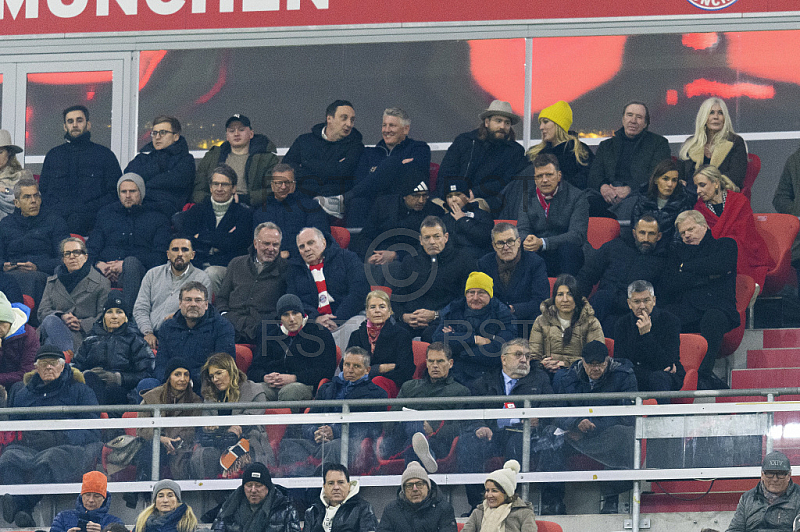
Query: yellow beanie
x=480, y=280
x=560, y=113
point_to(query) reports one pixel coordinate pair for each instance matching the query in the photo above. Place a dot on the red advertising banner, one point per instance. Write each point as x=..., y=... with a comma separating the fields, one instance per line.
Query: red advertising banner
x=21, y=17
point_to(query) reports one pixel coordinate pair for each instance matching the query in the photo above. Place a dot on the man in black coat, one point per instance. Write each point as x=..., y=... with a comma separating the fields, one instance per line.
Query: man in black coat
x=419, y=506
x=78, y=177
x=699, y=285
x=625, y=162
x=436, y=274
x=554, y=218
x=325, y=160
x=486, y=157
x=257, y=505
x=340, y=505
x=485, y=439
x=651, y=339
x=618, y=263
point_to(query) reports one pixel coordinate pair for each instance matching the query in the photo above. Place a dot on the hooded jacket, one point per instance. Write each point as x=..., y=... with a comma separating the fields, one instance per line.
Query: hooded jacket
x=168, y=175
x=72, y=518
x=322, y=167
x=123, y=350
x=521, y=518
x=261, y=158
x=19, y=347
x=354, y=514
x=275, y=514
x=547, y=336
x=433, y=514
x=79, y=174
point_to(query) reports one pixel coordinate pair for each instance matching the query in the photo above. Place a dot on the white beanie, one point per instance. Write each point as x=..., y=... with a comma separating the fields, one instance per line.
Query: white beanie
x=506, y=478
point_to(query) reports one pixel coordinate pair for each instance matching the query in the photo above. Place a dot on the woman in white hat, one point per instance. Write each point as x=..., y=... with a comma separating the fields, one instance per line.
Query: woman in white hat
x=10, y=172
x=502, y=509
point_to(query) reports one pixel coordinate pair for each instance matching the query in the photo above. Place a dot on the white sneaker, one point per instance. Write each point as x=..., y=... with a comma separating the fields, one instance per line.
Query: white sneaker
x=333, y=205
x=420, y=445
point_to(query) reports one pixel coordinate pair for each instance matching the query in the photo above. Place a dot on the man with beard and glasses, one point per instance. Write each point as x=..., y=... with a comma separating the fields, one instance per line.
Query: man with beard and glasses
x=486, y=157
x=158, y=297
x=617, y=264
x=79, y=176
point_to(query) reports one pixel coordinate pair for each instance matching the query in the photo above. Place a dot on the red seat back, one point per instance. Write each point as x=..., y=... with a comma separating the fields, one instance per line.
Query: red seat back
x=341, y=235
x=601, y=230
x=420, y=350
x=778, y=232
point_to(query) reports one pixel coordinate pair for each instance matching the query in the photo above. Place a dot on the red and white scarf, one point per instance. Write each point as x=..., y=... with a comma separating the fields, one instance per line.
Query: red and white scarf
x=325, y=299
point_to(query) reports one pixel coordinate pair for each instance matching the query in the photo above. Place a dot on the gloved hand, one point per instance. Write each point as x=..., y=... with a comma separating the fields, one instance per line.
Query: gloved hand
x=109, y=377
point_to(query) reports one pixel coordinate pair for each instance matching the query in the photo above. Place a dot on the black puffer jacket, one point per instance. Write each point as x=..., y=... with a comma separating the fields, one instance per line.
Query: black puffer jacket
x=123, y=351
x=276, y=514
x=168, y=175
x=354, y=515
x=434, y=514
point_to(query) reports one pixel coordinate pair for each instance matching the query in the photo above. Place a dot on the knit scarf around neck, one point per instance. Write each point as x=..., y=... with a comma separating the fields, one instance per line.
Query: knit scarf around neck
x=505, y=269
x=494, y=519
x=71, y=279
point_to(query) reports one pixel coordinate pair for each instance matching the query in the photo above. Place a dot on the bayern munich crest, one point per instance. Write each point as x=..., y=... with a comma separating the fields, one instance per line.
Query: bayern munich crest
x=712, y=5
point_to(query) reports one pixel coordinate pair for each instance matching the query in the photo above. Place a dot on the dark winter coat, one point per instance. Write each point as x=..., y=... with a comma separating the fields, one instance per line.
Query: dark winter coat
x=33, y=239
x=487, y=166
x=527, y=288
x=379, y=167
x=138, y=232
x=393, y=346
x=574, y=173
x=123, y=350
x=680, y=200
x=293, y=214
x=492, y=321
x=72, y=518
x=344, y=277
x=69, y=389
x=650, y=150
x=618, y=377
x=390, y=213
x=310, y=354
x=167, y=523
x=229, y=239
x=699, y=278
x=730, y=156
x=354, y=515
x=566, y=223
x=472, y=232
x=212, y=334
x=85, y=301
x=276, y=513
x=654, y=351
x=324, y=168
x=79, y=176
x=168, y=175
x=261, y=158
x=434, y=514
x=363, y=388
x=754, y=513
x=247, y=297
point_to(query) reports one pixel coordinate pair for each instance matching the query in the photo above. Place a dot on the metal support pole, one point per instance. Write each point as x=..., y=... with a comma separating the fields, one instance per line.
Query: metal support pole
x=637, y=458
x=770, y=422
x=526, y=450
x=156, y=461
x=345, y=443
x=526, y=117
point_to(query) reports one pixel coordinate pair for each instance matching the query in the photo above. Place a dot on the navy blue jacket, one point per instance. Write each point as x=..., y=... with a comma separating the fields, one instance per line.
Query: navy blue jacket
x=379, y=168
x=139, y=232
x=71, y=518
x=344, y=276
x=324, y=168
x=493, y=320
x=69, y=389
x=212, y=334
x=79, y=175
x=363, y=388
x=618, y=377
x=527, y=288
x=472, y=232
x=33, y=238
x=293, y=214
x=230, y=238
x=486, y=165
x=168, y=175
x=310, y=355
x=10, y=287
x=390, y=213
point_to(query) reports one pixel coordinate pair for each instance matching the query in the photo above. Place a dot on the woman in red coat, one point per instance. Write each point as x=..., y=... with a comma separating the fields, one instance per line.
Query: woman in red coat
x=728, y=213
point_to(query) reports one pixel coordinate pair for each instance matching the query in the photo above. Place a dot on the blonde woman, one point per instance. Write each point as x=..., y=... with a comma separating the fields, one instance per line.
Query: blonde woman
x=715, y=143
x=168, y=513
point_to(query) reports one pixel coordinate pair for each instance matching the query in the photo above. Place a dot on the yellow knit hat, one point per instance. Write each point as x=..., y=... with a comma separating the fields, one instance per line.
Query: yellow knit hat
x=480, y=280
x=560, y=113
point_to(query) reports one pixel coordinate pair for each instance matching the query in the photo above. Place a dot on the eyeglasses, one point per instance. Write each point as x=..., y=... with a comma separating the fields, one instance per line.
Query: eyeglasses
x=414, y=485
x=193, y=299
x=776, y=474
x=48, y=362
x=268, y=244
x=282, y=183
x=594, y=364
x=160, y=133
x=74, y=253
x=644, y=301
x=500, y=244
x=518, y=354
x=221, y=184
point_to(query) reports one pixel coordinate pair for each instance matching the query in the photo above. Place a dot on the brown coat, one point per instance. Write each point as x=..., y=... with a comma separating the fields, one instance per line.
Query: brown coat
x=520, y=519
x=153, y=397
x=547, y=335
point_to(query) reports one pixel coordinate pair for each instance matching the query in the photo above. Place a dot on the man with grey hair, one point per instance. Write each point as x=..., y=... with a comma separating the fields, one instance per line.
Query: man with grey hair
x=699, y=286
x=379, y=167
x=253, y=284
x=651, y=339
x=330, y=282
x=29, y=240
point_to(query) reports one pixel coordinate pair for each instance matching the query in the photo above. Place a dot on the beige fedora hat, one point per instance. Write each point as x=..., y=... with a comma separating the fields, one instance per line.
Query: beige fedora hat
x=5, y=142
x=499, y=107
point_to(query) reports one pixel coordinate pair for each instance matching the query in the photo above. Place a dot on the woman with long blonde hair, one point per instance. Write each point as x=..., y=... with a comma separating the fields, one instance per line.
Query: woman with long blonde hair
x=714, y=142
x=167, y=513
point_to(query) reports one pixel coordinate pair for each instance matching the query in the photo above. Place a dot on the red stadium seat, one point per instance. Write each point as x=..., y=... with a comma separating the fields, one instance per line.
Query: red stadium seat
x=548, y=526
x=28, y=301
x=693, y=349
x=275, y=432
x=610, y=346
x=387, y=384
x=341, y=235
x=244, y=357
x=601, y=230
x=779, y=232
x=383, y=288
x=512, y=222
x=420, y=350
x=76, y=235
x=753, y=168
x=745, y=288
